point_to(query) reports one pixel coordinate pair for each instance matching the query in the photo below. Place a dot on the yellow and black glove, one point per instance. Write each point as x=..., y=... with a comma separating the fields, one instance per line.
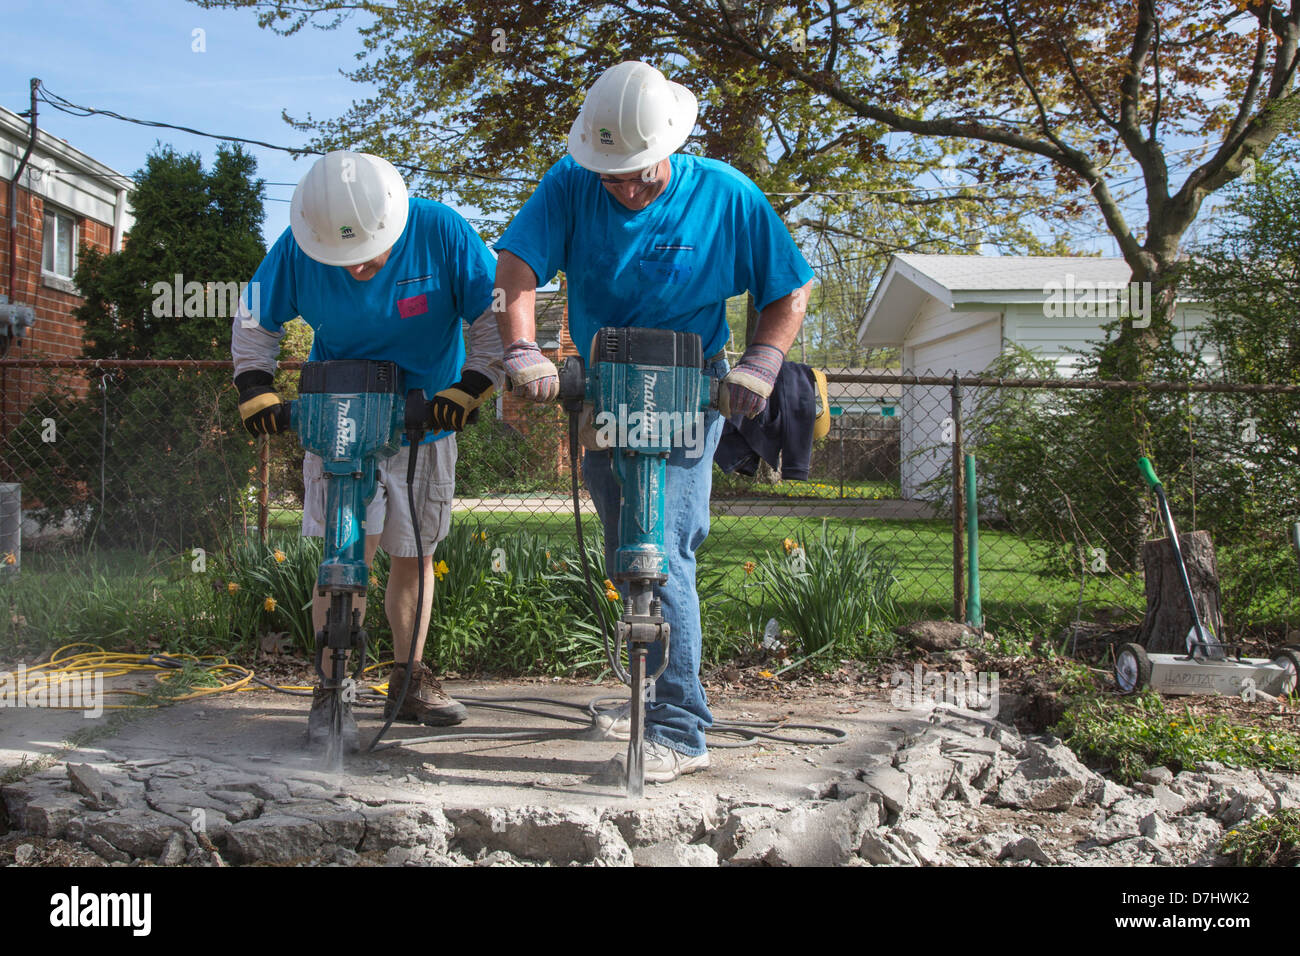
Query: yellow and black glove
x=450, y=409
x=263, y=411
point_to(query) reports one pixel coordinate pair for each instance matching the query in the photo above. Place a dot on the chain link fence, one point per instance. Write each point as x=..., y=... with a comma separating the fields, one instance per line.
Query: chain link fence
x=141, y=462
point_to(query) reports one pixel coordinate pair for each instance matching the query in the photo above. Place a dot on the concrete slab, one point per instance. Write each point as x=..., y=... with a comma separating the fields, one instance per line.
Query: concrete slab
x=260, y=731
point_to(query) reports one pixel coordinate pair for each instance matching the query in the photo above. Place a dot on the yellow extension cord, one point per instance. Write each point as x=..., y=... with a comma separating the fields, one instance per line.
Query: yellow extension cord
x=65, y=666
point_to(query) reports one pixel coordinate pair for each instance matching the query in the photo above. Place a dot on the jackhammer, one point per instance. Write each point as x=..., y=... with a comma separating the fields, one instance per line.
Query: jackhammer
x=645, y=387
x=350, y=414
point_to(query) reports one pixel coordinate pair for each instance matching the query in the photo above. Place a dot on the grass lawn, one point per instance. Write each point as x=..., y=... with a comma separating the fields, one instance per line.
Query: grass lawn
x=731, y=486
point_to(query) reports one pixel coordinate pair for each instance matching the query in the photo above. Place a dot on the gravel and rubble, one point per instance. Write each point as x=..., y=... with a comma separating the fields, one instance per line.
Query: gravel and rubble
x=955, y=789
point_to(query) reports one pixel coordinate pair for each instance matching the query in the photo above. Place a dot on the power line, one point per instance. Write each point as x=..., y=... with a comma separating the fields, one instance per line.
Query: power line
x=73, y=109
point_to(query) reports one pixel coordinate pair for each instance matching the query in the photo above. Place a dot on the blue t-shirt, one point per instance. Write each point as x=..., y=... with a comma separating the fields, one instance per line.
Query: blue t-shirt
x=710, y=235
x=438, y=273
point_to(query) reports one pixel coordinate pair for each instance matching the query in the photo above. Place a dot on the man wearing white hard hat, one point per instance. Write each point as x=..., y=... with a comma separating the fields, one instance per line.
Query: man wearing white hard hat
x=650, y=237
x=384, y=276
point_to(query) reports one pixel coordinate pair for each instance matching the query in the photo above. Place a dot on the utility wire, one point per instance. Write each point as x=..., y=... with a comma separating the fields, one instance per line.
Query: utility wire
x=73, y=109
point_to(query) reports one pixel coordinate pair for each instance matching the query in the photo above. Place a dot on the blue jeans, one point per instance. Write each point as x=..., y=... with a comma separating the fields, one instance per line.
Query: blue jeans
x=678, y=714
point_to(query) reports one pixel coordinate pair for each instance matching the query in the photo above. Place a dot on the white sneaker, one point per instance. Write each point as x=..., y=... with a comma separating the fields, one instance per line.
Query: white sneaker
x=615, y=723
x=663, y=764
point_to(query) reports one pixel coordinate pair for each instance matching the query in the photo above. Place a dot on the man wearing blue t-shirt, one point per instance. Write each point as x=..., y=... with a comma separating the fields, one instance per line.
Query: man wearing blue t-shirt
x=651, y=238
x=378, y=275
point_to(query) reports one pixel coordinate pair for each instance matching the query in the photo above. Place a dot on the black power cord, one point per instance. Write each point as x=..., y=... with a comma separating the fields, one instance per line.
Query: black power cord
x=416, y=410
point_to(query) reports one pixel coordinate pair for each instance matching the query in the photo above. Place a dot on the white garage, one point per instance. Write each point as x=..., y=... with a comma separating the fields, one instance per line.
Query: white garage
x=957, y=314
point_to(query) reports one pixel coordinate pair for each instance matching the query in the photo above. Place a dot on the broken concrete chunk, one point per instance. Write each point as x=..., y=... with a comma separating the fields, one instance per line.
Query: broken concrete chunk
x=892, y=785
x=1027, y=849
x=675, y=854
x=173, y=853
x=547, y=834
x=405, y=825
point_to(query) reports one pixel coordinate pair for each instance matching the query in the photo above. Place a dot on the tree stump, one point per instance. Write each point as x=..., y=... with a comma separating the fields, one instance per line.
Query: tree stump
x=1168, y=619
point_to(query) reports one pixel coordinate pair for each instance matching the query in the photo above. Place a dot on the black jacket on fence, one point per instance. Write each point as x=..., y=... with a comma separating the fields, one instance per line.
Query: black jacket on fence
x=781, y=432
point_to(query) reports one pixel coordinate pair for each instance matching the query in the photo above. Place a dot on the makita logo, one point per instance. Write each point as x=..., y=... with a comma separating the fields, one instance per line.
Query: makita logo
x=648, y=393
x=75, y=909
x=347, y=430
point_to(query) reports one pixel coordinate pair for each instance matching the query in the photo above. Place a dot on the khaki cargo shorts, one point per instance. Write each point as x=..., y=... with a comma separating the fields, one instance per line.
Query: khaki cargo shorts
x=389, y=513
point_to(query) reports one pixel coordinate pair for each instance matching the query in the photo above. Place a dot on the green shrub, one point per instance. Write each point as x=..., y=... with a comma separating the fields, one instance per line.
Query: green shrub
x=1131, y=736
x=834, y=594
x=1265, y=841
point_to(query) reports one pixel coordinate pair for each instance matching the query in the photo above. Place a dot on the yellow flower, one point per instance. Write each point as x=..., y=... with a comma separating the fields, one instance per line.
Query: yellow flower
x=280, y=556
x=789, y=545
x=612, y=595
x=609, y=585
x=764, y=673
x=232, y=587
x=482, y=536
x=269, y=604
x=374, y=581
x=440, y=569
x=10, y=559
x=749, y=567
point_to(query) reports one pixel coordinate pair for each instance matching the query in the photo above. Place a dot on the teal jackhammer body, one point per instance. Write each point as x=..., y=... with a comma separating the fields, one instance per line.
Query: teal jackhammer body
x=350, y=413
x=648, y=393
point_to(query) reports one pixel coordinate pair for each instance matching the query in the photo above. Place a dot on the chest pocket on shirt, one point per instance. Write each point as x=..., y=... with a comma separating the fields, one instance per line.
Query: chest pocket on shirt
x=669, y=262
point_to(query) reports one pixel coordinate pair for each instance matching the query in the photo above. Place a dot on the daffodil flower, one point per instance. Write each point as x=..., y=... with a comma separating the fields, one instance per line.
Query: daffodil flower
x=269, y=604
x=440, y=569
x=749, y=567
x=279, y=556
x=232, y=587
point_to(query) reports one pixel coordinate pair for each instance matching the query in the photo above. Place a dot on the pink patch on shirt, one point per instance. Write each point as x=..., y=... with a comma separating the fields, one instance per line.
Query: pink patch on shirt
x=415, y=305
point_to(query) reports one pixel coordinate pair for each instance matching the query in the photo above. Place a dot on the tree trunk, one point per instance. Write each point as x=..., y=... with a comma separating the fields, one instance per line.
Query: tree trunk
x=1168, y=619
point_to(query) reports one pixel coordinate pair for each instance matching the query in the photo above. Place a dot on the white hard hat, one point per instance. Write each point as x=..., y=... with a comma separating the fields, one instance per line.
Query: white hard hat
x=349, y=208
x=631, y=119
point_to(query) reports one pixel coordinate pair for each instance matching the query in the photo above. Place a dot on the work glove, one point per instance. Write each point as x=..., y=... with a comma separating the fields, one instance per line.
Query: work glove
x=449, y=409
x=746, y=388
x=263, y=411
x=532, y=375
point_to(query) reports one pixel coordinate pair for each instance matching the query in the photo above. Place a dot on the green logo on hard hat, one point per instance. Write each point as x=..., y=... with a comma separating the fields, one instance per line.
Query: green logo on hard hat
x=606, y=137
x=345, y=232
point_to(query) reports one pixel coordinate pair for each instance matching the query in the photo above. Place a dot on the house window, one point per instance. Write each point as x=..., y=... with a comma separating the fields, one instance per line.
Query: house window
x=60, y=253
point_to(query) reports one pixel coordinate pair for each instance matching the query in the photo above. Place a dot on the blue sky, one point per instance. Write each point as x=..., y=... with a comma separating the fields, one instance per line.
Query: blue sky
x=136, y=58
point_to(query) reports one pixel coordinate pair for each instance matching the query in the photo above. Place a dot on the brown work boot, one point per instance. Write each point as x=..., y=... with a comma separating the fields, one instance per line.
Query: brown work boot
x=425, y=702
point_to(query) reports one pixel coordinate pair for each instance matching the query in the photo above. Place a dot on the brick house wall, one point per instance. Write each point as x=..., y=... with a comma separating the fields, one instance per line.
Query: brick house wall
x=59, y=179
x=552, y=326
